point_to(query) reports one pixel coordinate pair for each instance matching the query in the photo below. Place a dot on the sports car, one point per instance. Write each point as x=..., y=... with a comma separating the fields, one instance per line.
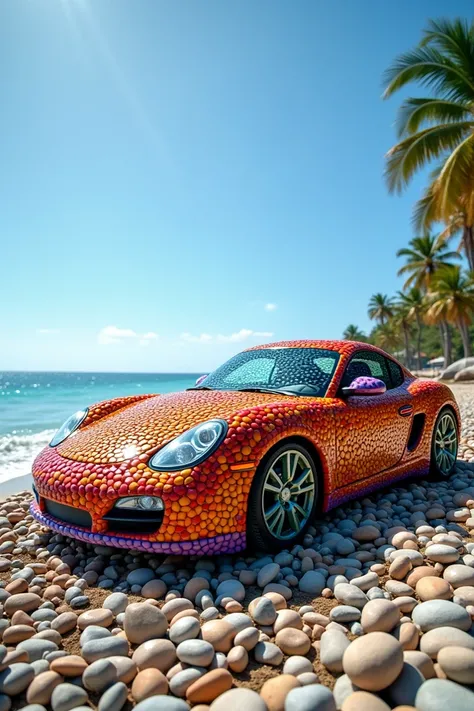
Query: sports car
x=249, y=455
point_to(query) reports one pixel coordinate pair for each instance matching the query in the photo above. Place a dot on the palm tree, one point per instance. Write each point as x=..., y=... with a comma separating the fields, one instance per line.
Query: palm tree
x=453, y=300
x=353, y=333
x=402, y=320
x=387, y=336
x=380, y=308
x=438, y=127
x=413, y=304
x=424, y=256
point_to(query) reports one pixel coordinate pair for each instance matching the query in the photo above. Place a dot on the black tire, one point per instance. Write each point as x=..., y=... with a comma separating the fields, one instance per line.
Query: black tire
x=443, y=466
x=259, y=537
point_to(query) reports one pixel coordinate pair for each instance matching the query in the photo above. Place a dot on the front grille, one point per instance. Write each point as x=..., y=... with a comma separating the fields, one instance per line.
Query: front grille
x=133, y=521
x=68, y=514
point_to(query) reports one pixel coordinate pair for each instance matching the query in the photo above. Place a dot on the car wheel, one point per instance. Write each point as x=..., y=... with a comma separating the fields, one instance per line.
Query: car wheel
x=444, y=443
x=283, y=498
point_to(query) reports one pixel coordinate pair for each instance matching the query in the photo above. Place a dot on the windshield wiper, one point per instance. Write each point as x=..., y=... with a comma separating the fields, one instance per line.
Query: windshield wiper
x=201, y=387
x=263, y=390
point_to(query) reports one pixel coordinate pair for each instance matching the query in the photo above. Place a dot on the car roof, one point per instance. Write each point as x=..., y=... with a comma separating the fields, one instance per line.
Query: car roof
x=346, y=347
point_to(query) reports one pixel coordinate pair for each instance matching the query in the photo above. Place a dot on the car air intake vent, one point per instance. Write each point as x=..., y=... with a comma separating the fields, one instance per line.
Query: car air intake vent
x=133, y=521
x=68, y=514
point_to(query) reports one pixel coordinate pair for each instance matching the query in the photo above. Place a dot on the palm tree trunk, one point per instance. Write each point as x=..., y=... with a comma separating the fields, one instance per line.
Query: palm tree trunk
x=448, y=350
x=446, y=343
x=466, y=342
x=418, y=340
x=468, y=244
x=406, y=337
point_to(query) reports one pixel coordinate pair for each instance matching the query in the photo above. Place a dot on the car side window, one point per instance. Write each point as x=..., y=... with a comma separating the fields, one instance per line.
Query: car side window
x=367, y=363
x=396, y=373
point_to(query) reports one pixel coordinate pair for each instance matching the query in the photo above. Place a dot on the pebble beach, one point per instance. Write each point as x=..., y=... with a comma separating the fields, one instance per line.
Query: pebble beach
x=374, y=611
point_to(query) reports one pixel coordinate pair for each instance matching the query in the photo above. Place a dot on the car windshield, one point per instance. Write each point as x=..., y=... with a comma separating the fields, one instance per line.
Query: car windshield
x=294, y=371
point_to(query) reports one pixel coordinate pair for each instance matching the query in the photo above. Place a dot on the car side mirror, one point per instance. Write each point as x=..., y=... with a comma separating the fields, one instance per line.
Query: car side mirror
x=200, y=379
x=365, y=385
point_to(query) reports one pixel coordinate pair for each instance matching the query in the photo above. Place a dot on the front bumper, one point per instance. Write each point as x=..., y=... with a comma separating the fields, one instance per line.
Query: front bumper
x=226, y=543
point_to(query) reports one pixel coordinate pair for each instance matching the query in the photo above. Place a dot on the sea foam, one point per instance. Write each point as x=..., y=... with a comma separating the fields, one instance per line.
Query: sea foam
x=18, y=450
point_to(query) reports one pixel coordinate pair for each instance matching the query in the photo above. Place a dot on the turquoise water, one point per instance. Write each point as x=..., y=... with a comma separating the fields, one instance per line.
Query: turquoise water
x=34, y=405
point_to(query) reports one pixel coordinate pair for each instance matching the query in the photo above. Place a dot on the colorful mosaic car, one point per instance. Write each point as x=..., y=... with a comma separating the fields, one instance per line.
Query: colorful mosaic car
x=247, y=456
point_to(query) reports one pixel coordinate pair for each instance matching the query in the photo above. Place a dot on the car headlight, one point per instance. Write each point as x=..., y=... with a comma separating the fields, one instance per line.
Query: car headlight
x=71, y=424
x=145, y=503
x=190, y=448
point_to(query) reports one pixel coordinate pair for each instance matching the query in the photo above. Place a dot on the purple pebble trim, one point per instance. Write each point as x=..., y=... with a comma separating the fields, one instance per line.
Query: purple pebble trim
x=228, y=543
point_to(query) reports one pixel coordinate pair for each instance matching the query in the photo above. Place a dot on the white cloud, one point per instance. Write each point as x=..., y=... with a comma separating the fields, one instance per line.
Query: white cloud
x=202, y=338
x=243, y=335
x=113, y=335
x=270, y=307
x=147, y=338
x=47, y=331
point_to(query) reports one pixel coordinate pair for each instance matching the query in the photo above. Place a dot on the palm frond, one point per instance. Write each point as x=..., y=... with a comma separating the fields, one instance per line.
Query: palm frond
x=414, y=113
x=430, y=68
x=414, y=152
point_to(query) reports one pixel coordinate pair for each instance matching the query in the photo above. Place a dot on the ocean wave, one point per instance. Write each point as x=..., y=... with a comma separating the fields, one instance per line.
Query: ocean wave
x=18, y=450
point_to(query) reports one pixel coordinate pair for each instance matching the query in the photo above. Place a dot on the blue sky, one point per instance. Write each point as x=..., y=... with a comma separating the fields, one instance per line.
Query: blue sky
x=180, y=180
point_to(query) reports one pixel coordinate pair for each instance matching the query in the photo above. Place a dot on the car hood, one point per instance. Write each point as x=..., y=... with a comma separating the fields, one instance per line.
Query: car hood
x=145, y=426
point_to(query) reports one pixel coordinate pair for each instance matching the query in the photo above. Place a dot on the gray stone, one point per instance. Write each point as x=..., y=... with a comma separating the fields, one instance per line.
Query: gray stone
x=440, y=553
x=350, y=595
x=314, y=697
x=140, y=576
x=312, y=582
x=403, y=691
x=117, y=602
x=238, y=699
x=114, y=697
x=267, y=574
x=342, y=689
x=79, y=602
x=15, y=678
x=441, y=694
x=5, y=703
x=231, y=588
x=71, y=593
x=268, y=653
x=67, y=696
x=94, y=632
x=344, y=613
x=333, y=645
x=184, y=628
x=440, y=613
x=98, y=675
x=181, y=681
x=196, y=652
x=297, y=665
x=112, y=646
x=37, y=648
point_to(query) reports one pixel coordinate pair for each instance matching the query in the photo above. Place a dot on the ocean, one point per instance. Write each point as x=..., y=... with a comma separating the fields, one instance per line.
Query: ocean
x=33, y=405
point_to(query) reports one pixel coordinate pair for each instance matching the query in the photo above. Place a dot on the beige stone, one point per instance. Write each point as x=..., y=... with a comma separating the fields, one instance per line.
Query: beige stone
x=99, y=616
x=42, y=686
x=155, y=653
x=379, y=615
x=363, y=701
x=238, y=659
x=149, y=682
x=209, y=686
x=219, y=633
x=70, y=665
x=373, y=661
x=431, y=588
x=274, y=691
x=292, y=641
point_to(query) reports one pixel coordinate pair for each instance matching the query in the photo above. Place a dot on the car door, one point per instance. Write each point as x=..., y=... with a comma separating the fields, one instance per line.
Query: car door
x=372, y=431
